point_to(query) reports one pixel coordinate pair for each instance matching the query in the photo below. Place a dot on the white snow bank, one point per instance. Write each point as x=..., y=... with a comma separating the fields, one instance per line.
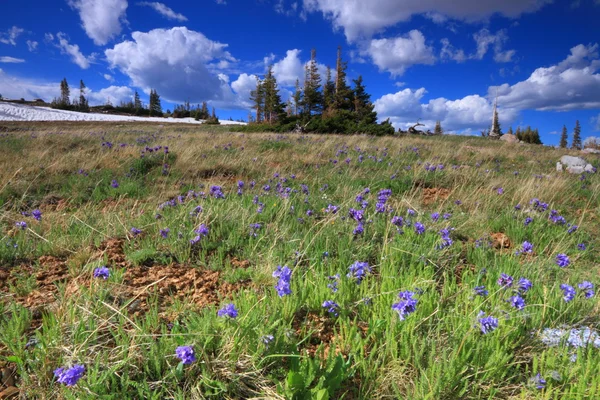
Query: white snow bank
x=21, y=112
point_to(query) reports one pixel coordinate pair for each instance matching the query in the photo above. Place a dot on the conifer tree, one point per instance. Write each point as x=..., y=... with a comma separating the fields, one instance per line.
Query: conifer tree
x=496, y=125
x=83, y=103
x=155, y=107
x=273, y=107
x=343, y=93
x=362, y=105
x=313, y=98
x=257, y=96
x=576, y=143
x=328, y=92
x=438, y=128
x=564, y=137
x=510, y=131
x=65, y=93
x=518, y=133
x=297, y=98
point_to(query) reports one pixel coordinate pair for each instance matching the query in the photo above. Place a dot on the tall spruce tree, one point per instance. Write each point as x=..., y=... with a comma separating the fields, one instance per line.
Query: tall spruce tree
x=564, y=137
x=65, y=93
x=273, y=107
x=297, y=98
x=83, y=103
x=137, y=103
x=343, y=93
x=328, y=92
x=510, y=131
x=438, y=128
x=313, y=98
x=496, y=125
x=257, y=96
x=155, y=107
x=362, y=106
x=576, y=143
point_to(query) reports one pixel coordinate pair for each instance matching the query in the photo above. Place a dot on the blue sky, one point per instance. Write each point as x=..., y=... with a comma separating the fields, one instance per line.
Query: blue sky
x=428, y=59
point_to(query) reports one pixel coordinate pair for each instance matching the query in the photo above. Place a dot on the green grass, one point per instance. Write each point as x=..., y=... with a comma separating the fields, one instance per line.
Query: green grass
x=125, y=330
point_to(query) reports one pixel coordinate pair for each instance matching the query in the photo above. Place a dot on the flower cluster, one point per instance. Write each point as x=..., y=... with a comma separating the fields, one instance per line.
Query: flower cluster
x=102, y=272
x=69, y=376
x=228, y=310
x=358, y=270
x=284, y=274
x=407, y=304
x=185, y=354
x=487, y=324
x=331, y=307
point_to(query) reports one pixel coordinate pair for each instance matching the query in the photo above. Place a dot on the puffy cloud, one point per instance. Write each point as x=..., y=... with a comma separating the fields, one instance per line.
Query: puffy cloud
x=359, y=18
x=179, y=63
x=11, y=60
x=471, y=113
x=11, y=35
x=112, y=94
x=163, y=10
x=397, y=54
x=62, y=42
x=101, y=19
x=572, y=84
x=288, y=69
x=32, y=45
x=242, y=86
x=13, y=87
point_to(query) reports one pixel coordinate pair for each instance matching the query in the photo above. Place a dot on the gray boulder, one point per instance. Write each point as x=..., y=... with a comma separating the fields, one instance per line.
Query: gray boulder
x=574, y=165
x=509, y=138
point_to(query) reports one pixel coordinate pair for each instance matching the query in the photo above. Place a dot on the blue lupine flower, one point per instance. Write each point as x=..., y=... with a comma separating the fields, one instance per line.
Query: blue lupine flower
x=334, y=283
x=359, y=230
x=447, y=216
x=217, y=192
x=114, y=184
x=500, y=190
x=21, y=224
x=202, y=230
x=228, y=310
x=332, y=209
x=568, y=292
x=37, y=214
x=581, y=246
x=356, y=215
x=102, y=272
x=435, y=216
x=446, y=240
x=562, y=260
x=526, y=247
x=407, y=304
x=524, y=285
x=165, y=232
x=267, y=339
x=573, y=228
x=480, y=291
x=505, y=280
x=487, y=324
x=185, y=354
x=70, y=376
x=398, y=221
x=283, y=285
x=135, y=231
x=528, y=220
x=588, y=288
x=331, y=307
x=419, y=228
x=538, y=381
x=517, y=302
x=358, y=270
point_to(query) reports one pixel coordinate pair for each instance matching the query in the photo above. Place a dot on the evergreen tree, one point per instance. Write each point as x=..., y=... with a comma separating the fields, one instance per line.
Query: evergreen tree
x=83, y=103
x=257, y=96
x=535, y=137
x=576, y=143
x=65, y=93
x=510, y=131
x=438, y=128
x=273, y=107
x=518, y=133
x=313, y=98
x=297, y=98
x=328, y=92
x=564, y=137
x=137, y=103
x=496, y=126
x=343, y=93
x=362, y=106
x=155, y=107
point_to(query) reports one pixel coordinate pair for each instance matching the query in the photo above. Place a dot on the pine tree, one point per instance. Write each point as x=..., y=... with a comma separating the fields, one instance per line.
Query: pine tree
x=273, y=107
x=564, y=137
x=155, y=107
x=257, y=96
x=518, y=133
x=510, y=131
x=297, y=98
x=438, y=128
x=496, y=125
x=83, y=103
x=576, y=143
x=362, y=106
x=343, y=93
x=313, y=98
x=535, y=137
x=65, y=93
x=328, y=92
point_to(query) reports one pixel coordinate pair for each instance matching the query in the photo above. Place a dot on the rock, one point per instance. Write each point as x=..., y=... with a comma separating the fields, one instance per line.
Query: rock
x=559, y=167
x=590, y=151
x=509, y=138
x=574, y=165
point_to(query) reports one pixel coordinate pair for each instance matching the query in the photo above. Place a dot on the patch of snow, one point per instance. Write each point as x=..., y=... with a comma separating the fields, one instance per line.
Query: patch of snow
x=21, y=112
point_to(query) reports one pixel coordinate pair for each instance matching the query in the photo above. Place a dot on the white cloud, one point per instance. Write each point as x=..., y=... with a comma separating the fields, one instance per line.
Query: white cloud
x=485, y=39
x=179, y=63
x=448, y=52
x=62, y=42
x=11, y=60
x=360, y=18
x=101, y=19
x=163, y=10
x=288, y=69
x=596, y=122
x=114, y=94
x=572, y=84
x=108, y=77
x=32, y=45
x=472, y=112
x=242, y=86
x=11, y=35
x=397, y=54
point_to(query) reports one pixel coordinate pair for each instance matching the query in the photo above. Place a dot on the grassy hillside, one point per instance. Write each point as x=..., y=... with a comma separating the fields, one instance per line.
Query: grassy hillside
x=385, y=298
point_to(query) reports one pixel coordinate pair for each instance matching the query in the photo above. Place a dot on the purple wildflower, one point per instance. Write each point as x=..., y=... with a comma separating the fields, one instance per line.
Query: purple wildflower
x=283, y=285
x=505, y=280
x=228, y=310
x=407, y=304
x=185, y=354
x=419, y=228
x=581, y=246
x=435, y=216
x=358, y=270
x=165, y=232
x=217, y=192
x=562, y=260
x=480, y=291
x=21, y=224
x=37, y=214
x=102, y=272
x=538, y=381
x=70, y=376
x=526, y=247
x=331, y=307
x=588, y=289
x=398, y=221
x=568, y=292
x=487, y=324
x=524, y=285
x=114, y=184
x=528, y=220
x=517, y=302
x=135, y=231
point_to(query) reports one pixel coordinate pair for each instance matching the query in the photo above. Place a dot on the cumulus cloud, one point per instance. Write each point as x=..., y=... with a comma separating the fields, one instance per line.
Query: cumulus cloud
x=471, y=113
x=242, y=86
x=163, y=10
x=289, y=68
x=179, y=63
x=11, y=60
x=359, y=18
x=62, y=42
x=112, y=94
x=572, y=84
x=101, y=19
x=11, y=35
x=32, y=45
x=397, y=54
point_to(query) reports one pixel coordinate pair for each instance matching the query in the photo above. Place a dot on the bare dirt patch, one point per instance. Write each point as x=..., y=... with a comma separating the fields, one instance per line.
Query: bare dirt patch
x=432, y=195
x=113, y=248
x=500, y=241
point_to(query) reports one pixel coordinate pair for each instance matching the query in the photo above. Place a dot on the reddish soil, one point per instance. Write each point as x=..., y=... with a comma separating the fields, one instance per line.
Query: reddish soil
x=500, y=241
x=431, y=195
